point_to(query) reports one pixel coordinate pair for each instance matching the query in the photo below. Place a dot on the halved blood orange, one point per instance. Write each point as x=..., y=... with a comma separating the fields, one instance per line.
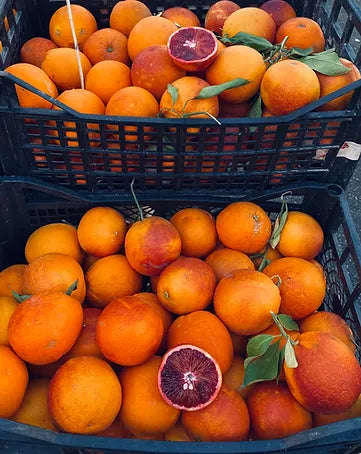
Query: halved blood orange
x=193, y=48
x=189, y=378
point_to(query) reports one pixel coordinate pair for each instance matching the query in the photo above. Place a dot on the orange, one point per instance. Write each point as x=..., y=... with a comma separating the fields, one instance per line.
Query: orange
x=177, y=433
x=101, y=231
x=147, y=32
x=289, y=85
x=106, y=78
x=328, y=377
x=34, y=51
x=327, y=322
x=144, y=410
x=13, y=382
x=34, y=407
x=302, y=32
x=250, y=20
x=132, y=102
x=234, y=377
x=126, y=14
x=197, y=230
x=129, y=330
x=54, y=273
x=275, y=413
x=60, y=238
x=115, y=430
x=244, y=226
x=11, y=279
x=225, y=419
x=60, y=29
x=280, y=11
x=181, y=17
x=45, y=327
x=7, y=308
x=189, y=87
x=107, y=44
x=218, y=13
x=109, y=278
x=320, y=268
x=86, y=344
x=61, y=66
x=224, y=261
x=329, y=84
x=186, y=285
x=206, y=331
x=70, y=404
x=301, y=236
x=153, y=69
x=301, y=286
x=38, y=79
x=352, y=412
x=232, y=297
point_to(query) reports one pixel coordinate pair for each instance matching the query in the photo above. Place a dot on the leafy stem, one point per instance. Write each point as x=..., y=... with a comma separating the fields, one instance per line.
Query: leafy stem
x=281, y=328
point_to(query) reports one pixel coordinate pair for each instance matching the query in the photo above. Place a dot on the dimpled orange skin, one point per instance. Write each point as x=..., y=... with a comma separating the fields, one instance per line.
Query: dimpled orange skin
x=250, y=20
x=301, y=236
x=302, y=286
x=328, y=322
x=13, y=381
x=225, y=419
x=275, y=413
x=54, y=273
x=302, y=32
x=144, y=410
x=234, y=377
x=186, y=285
x=151, y=245
x=45, y=327
x=243, y=301
x=129, y=330
x=282, y=97
x=11, y=279
x=206, y=331
x=244, y=226
x=224, y=261
x=328, y=377
x=84, y=396
x=86, y=344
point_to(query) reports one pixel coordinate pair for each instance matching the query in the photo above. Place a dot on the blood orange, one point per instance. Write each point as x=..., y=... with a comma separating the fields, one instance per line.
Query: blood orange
x=192, y=48
x=189, y=378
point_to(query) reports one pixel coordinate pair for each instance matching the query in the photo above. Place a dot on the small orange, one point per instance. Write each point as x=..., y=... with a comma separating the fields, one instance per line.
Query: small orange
x=110, y=278
x=7, y=308
x=126, y=14
x=244, y=226
x=34, y=407
x=224, y=261
x=60, y=238
x=197, y=230
x=234, y=377
x=13, y=382
x=84, y=396
x=106, y=44
x=60, y=28
x=54, y=273
x=11, y=279
x=101, y=231
x=34, y=51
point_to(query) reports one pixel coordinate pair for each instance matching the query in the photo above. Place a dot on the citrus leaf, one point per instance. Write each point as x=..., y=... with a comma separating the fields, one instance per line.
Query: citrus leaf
x=263, y=367
x=20, y=298
x=256, y=109
x=73, y=287
x=249, y=360
x=327, y=63
x=173, y=91
x=298, y=52
x=279, y=224
x=247, y=39
x=287, y=322
x=290, y=356
x=215, y=90
x=259, y=344
x=265, y=262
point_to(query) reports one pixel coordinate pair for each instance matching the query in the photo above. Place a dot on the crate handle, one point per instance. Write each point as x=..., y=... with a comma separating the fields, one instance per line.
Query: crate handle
x=252, y=121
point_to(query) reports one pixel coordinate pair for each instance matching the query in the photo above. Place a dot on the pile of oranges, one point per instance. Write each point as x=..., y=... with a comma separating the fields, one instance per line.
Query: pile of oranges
x=85, y=323
x=129, y=66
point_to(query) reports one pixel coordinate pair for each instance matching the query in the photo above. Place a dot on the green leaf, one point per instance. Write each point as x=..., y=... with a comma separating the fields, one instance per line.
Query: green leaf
x=287, y=322
x=173, y=91
x=279, y=224
x=73, y=287
x=215, y=90
x=290, y=356
x=20, y=298
x=263, y=367
x=249, y=360
x=247, y=39
x=327, y=63
x=265, y=262
x=259, y=344
x=256, y=109
x=298, y=52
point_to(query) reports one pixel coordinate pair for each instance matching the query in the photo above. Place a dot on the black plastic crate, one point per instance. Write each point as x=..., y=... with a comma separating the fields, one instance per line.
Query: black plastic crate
x=299, y=147
x=27, y=204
